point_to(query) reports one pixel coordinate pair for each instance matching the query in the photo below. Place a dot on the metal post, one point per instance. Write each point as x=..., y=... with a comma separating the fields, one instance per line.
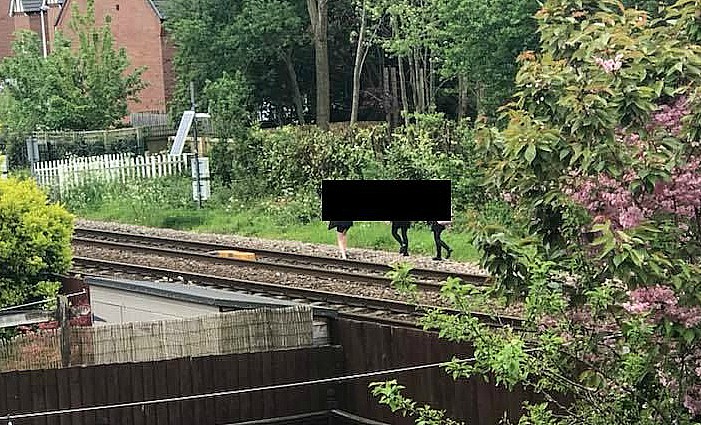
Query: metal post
x=65, y=330
x=42, y=10
x=194, y=134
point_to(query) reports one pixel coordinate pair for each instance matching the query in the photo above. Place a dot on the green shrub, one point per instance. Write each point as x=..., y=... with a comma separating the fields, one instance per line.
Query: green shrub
x=291, y=160
x=35, y=240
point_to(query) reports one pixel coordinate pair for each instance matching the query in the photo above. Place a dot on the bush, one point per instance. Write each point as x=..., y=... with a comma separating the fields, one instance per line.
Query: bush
x=291, y=160
x=35, y=240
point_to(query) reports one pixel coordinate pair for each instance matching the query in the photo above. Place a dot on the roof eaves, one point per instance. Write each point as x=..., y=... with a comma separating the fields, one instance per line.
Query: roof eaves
x=63, y=7
x=160, y=15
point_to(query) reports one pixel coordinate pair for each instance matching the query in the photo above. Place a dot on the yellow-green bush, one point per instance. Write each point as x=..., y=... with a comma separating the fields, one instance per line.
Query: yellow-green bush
x=35, y=241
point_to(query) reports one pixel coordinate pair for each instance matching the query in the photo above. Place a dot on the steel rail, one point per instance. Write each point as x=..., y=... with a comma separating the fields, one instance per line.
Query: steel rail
x=350, y=306
x=81, y=234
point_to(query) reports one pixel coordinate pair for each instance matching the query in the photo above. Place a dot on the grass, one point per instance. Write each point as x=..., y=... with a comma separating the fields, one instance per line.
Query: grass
x=251, y=222
x=167, y=204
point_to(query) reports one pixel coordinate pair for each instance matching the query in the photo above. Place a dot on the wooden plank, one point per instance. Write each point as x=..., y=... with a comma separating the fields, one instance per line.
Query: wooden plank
x=267, y=397
x=316, y=372
x=185, y=370
x=220, y=383
x=282, y=371
x=126, y=393
x=196, y=383
x=149, y=391
x=37, y=395
x=87, y=379
x=304, y=394
x=244, y=380
x=64, y=394
x=4, y=394
x=111, y=376
x=255, y=361
x=25, y=390
x=137, y=393
x=209, y=405
x=76, y=396
x=232, y=377
x=173, y=385
x=100, y=383
x=160, y=391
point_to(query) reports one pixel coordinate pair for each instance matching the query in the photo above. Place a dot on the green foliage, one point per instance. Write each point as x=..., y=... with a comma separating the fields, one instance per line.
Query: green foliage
x=230, y=104
x=402, y=280
x=390, y=394
x=248, y=38
x=293, y=160
x=482, y=40
x=604, y=117
x=34, y=241
x=82, y=85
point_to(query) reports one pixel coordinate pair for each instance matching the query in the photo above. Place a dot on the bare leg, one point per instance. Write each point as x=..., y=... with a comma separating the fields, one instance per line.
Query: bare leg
x=342, y=243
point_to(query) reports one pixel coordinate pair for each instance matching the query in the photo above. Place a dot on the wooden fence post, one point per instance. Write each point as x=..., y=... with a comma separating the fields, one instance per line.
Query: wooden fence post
x=65, y=330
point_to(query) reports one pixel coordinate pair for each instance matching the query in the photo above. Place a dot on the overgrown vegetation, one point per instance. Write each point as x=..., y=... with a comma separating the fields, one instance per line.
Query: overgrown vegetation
x=167, y=202
x=601, y=156
x=35, y=241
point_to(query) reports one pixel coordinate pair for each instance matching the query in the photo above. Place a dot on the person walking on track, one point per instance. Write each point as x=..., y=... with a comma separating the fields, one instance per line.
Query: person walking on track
x=437, y=227
x=341, y=230
x=403, y=240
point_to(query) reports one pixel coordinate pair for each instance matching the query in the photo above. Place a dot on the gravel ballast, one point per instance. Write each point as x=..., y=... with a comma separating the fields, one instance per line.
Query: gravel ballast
x=376, y=256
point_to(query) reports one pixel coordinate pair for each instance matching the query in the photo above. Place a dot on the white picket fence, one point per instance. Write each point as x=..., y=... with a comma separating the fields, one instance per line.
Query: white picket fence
x=112, y=167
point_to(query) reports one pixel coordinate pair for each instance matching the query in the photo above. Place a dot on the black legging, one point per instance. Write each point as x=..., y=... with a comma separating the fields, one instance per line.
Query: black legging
x=404, y=240
x=437, y=230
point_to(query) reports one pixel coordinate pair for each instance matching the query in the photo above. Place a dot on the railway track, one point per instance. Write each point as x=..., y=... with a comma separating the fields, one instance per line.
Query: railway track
x=346, y=305
x=284, y=262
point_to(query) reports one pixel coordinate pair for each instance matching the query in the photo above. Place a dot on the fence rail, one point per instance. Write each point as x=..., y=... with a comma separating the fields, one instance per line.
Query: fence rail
x=120, y=167
x=225, y=333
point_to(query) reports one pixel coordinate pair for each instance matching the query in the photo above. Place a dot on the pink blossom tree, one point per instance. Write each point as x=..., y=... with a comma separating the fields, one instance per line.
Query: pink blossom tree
x=600, y=155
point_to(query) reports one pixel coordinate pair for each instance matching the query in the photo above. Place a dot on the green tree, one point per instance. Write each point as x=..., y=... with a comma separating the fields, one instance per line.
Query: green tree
x=479, y=45
x=35, y=242
x=262, y=39
x=319, y=18
x=81, y=86
x=601, y=159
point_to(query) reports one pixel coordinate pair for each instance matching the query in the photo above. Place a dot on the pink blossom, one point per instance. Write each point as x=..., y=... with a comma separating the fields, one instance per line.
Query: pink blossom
x=610, y=65
x=669, y=117
x=661, y=302
x=692, y=400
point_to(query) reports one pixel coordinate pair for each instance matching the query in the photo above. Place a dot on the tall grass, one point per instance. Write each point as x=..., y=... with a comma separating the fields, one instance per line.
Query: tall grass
x=167, y=202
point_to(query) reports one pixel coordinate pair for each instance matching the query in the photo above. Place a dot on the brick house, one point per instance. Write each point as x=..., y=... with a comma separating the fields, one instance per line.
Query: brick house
x=137, y=26
x=36, y=15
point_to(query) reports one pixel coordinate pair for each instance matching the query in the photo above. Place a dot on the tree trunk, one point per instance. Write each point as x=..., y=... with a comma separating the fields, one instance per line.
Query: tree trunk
x=432, y=82
x=386, y=101
x=421, y=87
x=360, y=53
x=402, y=90
x=395, y=102
x=462, y=97
x=318, y=14
x=413, y=81
x=296, y=94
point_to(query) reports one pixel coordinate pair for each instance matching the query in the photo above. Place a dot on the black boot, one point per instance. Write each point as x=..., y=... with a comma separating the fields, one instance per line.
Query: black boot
x=405, y=250
x=447, y=255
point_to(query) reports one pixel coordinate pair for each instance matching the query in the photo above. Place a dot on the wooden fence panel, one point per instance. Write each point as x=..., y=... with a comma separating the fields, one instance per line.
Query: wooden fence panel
x=370, y=346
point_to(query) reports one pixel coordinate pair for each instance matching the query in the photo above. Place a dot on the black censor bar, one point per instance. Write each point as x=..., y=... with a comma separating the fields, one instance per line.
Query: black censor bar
x=385, y=200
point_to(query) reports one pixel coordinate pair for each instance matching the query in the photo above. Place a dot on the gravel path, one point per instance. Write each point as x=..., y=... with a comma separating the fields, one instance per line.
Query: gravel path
x=382, y=257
